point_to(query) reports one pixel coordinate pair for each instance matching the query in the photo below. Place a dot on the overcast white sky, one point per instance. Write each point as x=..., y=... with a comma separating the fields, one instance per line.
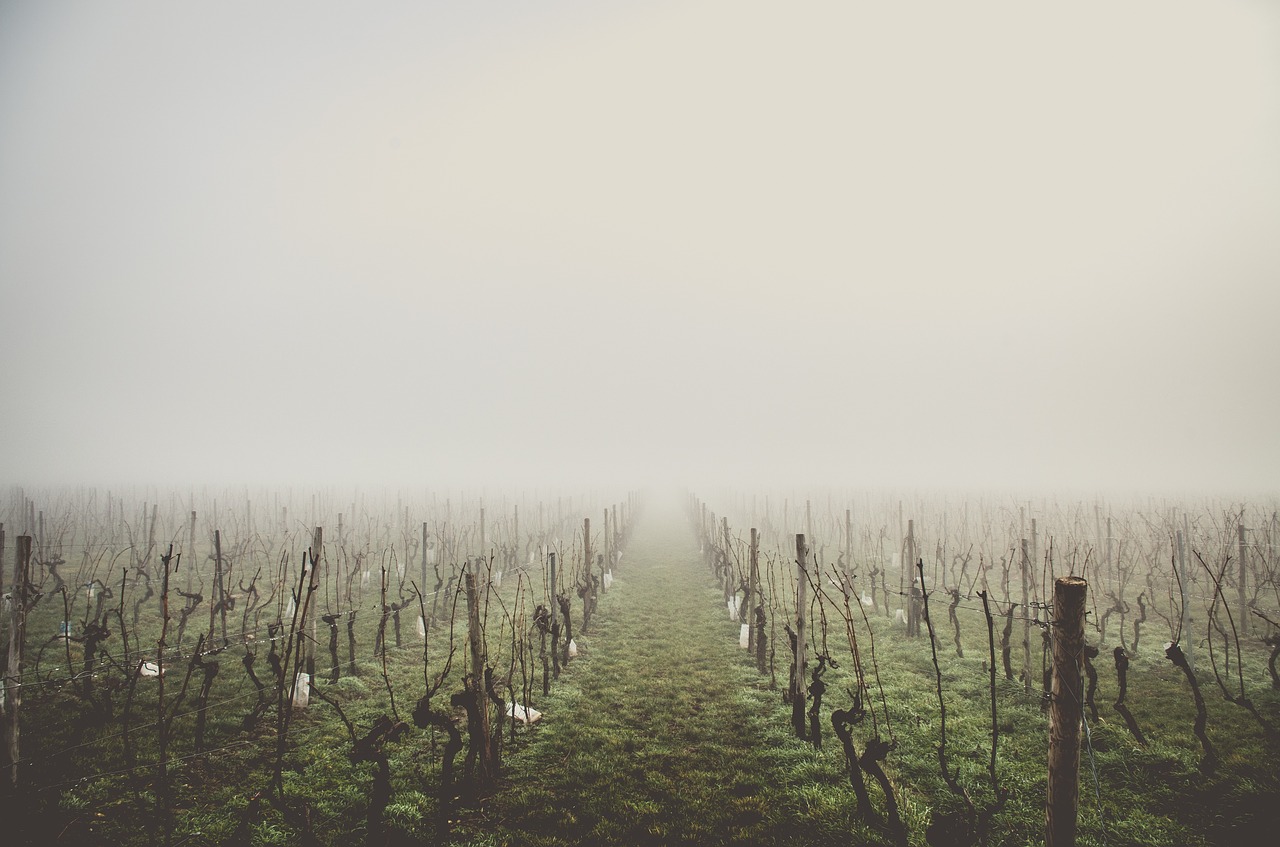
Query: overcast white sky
x=911, y=243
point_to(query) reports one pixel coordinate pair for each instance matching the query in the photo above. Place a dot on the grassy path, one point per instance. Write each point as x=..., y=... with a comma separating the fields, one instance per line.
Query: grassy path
x=662, y=732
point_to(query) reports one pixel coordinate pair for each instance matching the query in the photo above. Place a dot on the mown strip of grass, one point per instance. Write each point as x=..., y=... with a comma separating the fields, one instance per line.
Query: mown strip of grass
x=662, y=732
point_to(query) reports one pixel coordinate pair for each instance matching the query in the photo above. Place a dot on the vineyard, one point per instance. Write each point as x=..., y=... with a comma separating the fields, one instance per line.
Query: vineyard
x=518, y=669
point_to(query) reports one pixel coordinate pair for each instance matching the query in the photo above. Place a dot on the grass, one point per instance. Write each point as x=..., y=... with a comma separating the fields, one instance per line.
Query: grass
x=662, y=732
x=665, y=734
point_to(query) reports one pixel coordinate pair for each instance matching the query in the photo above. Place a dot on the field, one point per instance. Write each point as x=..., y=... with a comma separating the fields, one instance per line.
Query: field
x=664, y=672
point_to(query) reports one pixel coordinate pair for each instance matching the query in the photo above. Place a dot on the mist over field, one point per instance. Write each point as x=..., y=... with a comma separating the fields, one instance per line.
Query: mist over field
x=981, y=245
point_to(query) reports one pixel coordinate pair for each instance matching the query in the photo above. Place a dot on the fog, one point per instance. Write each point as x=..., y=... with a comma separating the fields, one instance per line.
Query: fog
x=989, y=244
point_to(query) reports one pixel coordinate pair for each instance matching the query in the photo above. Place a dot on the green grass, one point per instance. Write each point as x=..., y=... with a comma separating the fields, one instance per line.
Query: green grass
x=662, y=732
x=665, y=734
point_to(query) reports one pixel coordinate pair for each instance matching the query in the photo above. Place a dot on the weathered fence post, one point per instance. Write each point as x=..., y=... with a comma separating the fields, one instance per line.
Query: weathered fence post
x=479, y=663
x=192, y=561
x=1065, y=711
x=17, y=635
x=913, y=593
x=215, y=592
x=607, y=563
x=1242, y=617
x=799, y=690
x=317, y=548
x=753, y=590
x=555, y=617
x=1186, y=639
x=1026, y=618
x=848, y=540
x=730, y=589
x=588, y=600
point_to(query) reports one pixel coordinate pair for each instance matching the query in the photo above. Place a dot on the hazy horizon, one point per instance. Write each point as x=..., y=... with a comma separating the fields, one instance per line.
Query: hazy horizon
x=427, y=245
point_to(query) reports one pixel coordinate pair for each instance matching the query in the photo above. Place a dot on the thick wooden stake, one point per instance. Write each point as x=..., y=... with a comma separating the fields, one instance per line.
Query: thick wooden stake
x=317, y=546
x=588, y=564
x=215, y=591
x=479, y=662
x=555, y=606
x=191, y=550
x=730, y=589
x=555, y=618
x=848, y=541
x=1186, y=639
x=605, y=565
x=1026, y=619
x=1242, y=616
x=1110, y=539
x=799, y=687
x=913, y=599
x=17, y=635
x=753, y=590
x=1065, y=711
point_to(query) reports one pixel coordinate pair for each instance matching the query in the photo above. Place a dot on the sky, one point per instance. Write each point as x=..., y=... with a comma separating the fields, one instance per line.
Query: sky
x=926, y=244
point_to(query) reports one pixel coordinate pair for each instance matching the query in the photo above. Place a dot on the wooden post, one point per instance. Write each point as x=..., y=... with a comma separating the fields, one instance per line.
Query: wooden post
x=1026, y=619
x=702, y=526
x=586, y=556
x=906, y=566
x=1110, y=539
x=604, y=568
x=730, y=590
x=1242, y=617
x=17, y=635
x=424, y=584
x=192, y=561
x=317, y=548
x=753, y=590
x=479, y=661
x=1065, y=711
x=1035, y=552
x=912, y=600
x=848, y=540
x=799, y=687
x=215, y=591
x=162, y=726
x=555, y=606
x=1035, y=542
x=222, y=597
x=151, y=534
x=1186, y=639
